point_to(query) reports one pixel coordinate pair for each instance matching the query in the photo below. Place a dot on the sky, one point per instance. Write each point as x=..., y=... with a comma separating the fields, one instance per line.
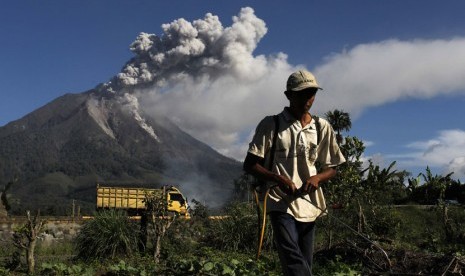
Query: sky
x=218, y=67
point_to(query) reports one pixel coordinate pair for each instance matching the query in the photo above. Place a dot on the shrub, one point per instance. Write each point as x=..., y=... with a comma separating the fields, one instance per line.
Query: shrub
x=384, y=222
x=238, y=230
x=108, y=235
x=182, y=239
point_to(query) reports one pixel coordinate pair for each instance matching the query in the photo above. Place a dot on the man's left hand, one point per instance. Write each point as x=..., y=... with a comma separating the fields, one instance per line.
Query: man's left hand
x=310, y=185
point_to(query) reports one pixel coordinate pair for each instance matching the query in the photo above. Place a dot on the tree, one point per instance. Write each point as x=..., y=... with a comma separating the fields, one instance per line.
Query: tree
x=361, y=191
x=199, y=211
x=437, y=183
x=345, y=186
x=3, y=196
x=380, y=188
x=242, y=187
x=435, y=189
x=340, y=121
x=413, y=184
x=456, y=191
x=25, y=238
x=384, y=186
x=159, y=218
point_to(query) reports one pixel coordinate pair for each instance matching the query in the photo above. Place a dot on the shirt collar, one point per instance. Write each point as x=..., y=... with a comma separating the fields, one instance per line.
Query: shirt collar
x=291, y=119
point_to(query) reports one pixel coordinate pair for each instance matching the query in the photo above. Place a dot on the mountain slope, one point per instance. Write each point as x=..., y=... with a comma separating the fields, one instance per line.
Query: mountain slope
x=61, y=150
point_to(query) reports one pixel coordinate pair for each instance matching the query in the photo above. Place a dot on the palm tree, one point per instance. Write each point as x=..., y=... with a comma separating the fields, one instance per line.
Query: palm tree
x=340, y=121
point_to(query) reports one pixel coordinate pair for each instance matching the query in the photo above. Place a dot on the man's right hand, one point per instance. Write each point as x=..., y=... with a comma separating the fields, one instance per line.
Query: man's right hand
x=252, y=165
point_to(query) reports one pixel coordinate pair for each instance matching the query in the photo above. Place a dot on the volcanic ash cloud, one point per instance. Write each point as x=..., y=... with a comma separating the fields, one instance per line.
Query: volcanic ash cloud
x=201, y=48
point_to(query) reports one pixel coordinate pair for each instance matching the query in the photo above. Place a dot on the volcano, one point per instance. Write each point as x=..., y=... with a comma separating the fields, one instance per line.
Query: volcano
x=56, y=154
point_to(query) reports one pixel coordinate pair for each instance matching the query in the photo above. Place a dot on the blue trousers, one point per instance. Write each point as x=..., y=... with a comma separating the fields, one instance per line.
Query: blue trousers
x=294, y=241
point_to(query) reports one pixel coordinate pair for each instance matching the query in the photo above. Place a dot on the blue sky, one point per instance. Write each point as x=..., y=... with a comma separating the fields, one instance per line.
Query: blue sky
x=398, y=67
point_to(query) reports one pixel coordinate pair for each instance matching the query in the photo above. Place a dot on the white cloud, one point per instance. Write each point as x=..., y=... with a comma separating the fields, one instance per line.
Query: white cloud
x=368, y=143
x=377, y=73
x=457, y=165
x=446, y=151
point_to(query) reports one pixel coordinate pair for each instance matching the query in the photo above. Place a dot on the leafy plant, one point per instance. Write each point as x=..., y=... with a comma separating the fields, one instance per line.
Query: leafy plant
x=220, y=267
x=4, y=271
x=337, y=268
x=122, y=268
x=56, y=269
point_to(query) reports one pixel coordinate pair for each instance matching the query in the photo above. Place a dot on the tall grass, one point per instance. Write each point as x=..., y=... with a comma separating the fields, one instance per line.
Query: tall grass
x=108, y=235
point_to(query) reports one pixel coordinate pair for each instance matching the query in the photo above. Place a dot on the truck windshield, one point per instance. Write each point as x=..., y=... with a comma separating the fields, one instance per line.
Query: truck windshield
x=177, y=197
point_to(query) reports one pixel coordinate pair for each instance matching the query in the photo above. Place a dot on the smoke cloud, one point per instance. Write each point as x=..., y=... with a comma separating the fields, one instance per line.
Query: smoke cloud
x=203, y=48
x=206, y=78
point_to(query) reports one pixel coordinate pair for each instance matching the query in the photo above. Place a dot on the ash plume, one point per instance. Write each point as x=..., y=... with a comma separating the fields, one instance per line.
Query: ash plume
x=198, y=49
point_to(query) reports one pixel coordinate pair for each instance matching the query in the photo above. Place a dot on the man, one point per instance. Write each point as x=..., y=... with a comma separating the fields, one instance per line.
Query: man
x=296, y=200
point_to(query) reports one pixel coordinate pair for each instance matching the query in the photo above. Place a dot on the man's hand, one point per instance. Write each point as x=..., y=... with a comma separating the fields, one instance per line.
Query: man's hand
x=286, y=185
x=310, y=185
x=314, y=181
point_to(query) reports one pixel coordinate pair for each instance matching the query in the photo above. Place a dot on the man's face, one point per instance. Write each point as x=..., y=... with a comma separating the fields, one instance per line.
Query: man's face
x=302, y=100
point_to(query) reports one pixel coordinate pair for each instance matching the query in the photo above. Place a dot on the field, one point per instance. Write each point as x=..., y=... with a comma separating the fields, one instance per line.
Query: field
x=414, y=239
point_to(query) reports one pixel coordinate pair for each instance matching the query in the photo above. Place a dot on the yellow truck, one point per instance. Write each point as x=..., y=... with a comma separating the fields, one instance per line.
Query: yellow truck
x=133, y=199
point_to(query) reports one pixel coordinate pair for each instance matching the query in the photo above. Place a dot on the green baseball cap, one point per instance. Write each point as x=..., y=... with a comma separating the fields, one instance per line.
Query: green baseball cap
x=301, y=80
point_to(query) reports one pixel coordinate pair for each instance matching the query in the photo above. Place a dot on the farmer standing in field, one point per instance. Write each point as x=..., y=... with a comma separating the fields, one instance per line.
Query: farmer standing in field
x=289, y=166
